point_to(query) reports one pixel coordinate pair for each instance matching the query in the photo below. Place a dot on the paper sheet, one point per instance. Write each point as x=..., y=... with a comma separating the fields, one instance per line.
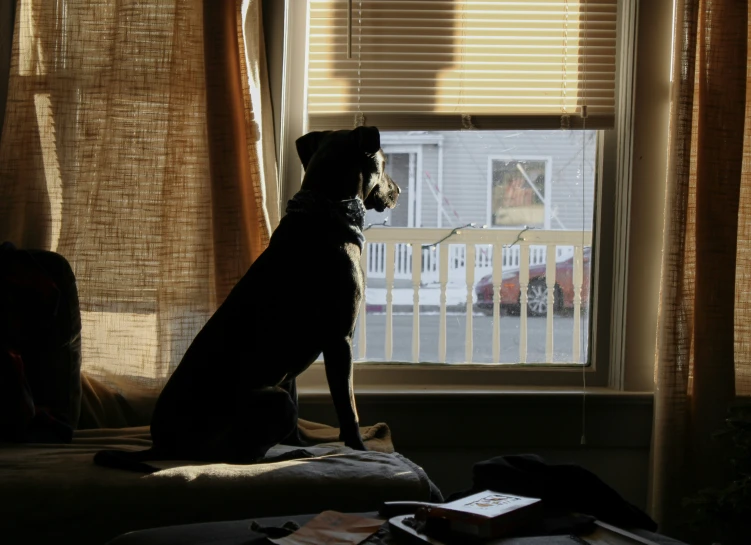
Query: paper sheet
x=332, y=528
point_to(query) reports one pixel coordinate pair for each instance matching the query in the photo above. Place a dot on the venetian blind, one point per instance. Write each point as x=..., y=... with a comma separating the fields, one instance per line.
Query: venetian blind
x=442, y=65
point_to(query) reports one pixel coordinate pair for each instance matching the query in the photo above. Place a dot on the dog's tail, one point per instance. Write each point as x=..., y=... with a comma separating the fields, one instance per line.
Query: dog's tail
x=128, y=460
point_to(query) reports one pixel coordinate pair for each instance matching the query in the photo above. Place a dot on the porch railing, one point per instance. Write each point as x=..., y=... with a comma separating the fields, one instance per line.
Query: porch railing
x=457, y=260
x=390, y=255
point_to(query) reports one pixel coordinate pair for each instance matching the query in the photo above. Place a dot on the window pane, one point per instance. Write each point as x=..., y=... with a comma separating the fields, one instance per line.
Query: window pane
x=521, y=205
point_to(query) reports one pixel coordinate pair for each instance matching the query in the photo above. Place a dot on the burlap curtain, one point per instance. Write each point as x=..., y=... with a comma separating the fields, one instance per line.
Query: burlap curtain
x=704, y=335
x=138, y=143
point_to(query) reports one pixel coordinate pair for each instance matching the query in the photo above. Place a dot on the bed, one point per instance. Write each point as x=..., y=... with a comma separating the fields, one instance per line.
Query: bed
x=53, y=493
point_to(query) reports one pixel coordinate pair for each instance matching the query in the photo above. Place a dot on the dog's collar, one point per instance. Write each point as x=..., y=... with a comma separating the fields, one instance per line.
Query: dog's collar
x=349, y=213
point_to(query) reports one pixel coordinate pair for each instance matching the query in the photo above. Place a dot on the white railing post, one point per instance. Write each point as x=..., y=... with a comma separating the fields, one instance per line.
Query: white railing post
x=578, y=278
x=469, y=266
x=364, y=258
x=497, y=279
x=523, y=299
x=416, y=272
x=390, y=249
x=550, y=281
x=443, y=273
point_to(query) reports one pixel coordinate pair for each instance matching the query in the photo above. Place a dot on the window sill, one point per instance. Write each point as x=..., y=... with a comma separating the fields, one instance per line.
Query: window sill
x=478, y=393
x=473, y=379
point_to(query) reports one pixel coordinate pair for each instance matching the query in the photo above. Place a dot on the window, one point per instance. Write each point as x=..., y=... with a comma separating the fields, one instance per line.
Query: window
x=488, y=204
x=518, y=190
x=494, y=117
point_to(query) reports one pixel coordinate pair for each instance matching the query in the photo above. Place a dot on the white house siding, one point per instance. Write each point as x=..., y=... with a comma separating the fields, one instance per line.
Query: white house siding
x=466, y=172
x=465, y=176
x=430, y=171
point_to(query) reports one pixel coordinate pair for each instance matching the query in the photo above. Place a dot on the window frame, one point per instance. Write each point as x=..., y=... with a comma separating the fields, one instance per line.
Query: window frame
x=609, y=274
x=414, y=213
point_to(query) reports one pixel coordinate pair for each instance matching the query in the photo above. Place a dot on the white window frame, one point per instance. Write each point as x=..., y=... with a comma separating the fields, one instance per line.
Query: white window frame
x=414, y=214
x=607, y=321
x=421, y=139
x=548, y=189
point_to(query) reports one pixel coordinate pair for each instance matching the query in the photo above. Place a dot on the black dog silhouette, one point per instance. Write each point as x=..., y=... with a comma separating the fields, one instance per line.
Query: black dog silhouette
x=233, y=395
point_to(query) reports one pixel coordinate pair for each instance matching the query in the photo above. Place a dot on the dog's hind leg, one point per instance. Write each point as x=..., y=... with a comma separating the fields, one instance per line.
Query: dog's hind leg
x=264, y=418
x=240, y=430
x=294, y=438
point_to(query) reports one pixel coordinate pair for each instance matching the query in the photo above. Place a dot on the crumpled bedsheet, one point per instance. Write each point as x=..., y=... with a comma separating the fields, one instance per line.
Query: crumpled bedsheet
x=55, y=493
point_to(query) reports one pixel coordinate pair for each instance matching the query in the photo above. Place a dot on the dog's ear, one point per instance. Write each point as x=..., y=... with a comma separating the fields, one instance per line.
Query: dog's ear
x=307, y=145
x=368, y=139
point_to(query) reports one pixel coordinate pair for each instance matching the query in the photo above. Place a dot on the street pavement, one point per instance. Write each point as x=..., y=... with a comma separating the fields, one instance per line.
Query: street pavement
x=563, y=333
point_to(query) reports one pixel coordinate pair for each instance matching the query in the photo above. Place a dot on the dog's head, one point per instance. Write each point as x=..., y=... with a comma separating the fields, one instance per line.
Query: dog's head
x=348, y=164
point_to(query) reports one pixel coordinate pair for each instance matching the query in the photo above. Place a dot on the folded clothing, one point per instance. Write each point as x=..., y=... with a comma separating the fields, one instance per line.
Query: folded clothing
x=562, y=488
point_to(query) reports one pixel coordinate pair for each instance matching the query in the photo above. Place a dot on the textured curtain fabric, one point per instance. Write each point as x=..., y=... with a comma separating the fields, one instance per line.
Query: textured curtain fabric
x=137, y=143
x=704, y=333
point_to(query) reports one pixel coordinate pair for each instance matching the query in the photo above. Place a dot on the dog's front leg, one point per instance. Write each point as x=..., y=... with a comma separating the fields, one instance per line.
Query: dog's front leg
x=338, y=361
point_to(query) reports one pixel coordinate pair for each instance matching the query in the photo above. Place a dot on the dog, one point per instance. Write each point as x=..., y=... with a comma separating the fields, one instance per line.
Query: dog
x=233, y=396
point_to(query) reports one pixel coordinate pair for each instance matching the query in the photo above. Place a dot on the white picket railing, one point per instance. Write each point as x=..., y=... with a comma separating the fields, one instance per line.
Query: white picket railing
x=390, y=255
x=457, y=260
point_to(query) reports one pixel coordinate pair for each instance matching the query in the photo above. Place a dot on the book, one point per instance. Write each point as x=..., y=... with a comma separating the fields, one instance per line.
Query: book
x=485, y=515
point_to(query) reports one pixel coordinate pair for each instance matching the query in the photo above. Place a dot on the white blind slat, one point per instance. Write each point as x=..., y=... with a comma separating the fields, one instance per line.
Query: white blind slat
x=521, y=62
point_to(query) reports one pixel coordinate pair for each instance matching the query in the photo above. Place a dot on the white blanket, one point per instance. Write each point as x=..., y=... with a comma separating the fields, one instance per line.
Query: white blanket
x=55, y=493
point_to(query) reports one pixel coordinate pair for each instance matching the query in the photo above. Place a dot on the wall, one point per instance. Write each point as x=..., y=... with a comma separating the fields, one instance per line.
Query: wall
x=652, y=105
x=447, y=434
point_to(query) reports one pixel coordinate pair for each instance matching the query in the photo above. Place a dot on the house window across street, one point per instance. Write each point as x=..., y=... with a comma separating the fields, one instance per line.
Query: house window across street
x=518, y=191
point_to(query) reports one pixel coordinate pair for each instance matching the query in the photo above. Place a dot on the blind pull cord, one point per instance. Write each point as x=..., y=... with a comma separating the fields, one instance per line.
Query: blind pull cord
x=583, y=440
x=359, y=115
x=349, y=29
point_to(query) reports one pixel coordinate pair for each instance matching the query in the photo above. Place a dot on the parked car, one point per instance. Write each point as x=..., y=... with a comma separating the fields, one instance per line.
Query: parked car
x=537, y=289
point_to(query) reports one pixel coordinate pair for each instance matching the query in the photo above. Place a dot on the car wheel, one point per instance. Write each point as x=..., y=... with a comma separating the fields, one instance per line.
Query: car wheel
x=537, y=298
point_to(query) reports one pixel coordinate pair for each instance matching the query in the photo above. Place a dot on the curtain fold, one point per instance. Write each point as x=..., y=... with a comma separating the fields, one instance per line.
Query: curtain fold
x=703, y=352
x=132, y=146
